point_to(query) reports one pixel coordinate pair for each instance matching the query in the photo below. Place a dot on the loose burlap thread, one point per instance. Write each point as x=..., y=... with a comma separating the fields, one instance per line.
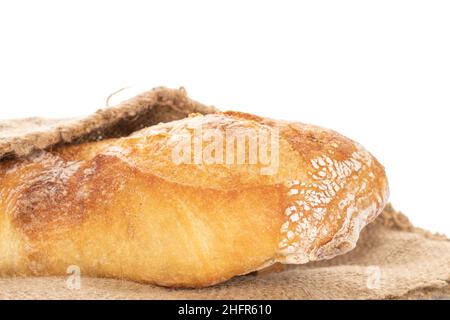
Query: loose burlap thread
x=392, y=260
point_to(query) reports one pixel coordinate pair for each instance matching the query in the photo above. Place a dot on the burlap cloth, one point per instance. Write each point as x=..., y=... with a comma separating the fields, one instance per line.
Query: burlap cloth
x=393, y=259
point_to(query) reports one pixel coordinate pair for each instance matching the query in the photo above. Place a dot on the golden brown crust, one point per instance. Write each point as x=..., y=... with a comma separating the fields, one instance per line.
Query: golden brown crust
x=124, y=207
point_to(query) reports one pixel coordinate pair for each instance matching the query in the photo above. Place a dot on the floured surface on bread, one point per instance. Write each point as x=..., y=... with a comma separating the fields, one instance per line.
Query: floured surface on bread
x=124, y=208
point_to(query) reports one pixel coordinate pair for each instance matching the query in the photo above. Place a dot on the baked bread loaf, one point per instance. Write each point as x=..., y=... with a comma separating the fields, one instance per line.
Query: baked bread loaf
x=189, y=203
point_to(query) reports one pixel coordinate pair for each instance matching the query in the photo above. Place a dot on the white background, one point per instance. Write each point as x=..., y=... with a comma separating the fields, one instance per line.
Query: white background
x=377, y=71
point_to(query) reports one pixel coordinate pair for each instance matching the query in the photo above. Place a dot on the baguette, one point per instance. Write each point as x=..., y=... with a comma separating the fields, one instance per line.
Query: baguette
x=168, y=206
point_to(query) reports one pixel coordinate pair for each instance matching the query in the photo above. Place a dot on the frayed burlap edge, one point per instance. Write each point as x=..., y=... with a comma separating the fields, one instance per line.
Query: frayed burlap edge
x=393, y=219
x=19, y=137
